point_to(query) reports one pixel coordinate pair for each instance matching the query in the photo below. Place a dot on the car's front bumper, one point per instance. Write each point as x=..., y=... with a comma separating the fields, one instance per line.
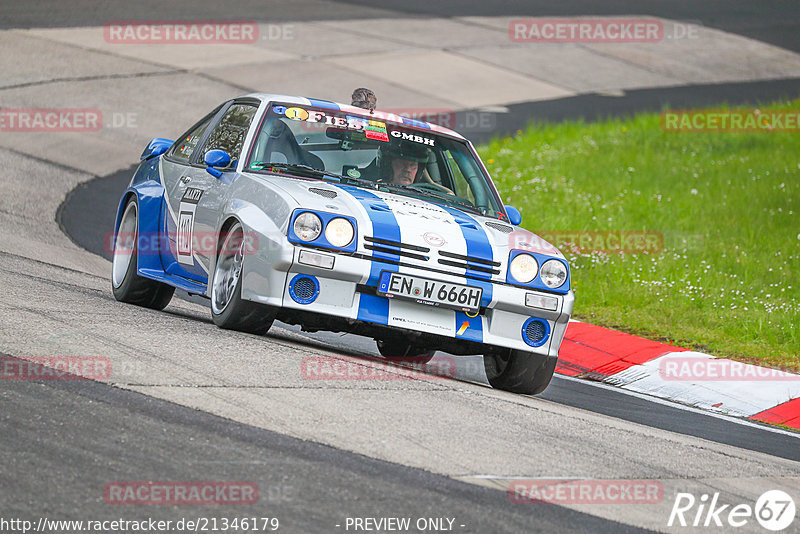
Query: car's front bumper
x=346, y=292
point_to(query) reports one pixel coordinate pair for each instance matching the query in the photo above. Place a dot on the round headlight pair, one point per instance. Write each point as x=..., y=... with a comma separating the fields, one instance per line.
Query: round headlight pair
x=524, y=269
x=339, y=231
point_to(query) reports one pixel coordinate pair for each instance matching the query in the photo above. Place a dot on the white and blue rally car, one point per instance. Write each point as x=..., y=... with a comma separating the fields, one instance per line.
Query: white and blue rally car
x=340, y=218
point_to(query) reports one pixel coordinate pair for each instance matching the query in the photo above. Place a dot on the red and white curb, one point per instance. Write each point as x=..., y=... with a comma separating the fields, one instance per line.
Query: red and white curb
x=680, y=375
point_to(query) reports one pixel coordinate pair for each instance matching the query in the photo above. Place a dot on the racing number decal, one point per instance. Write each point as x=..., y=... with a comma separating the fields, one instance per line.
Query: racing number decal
x=188, y=206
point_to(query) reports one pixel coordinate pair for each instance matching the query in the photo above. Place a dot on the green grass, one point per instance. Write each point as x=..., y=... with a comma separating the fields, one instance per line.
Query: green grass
x=726, y=282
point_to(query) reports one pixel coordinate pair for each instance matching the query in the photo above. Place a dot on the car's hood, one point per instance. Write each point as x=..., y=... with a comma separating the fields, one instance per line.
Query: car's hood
x=416, y=222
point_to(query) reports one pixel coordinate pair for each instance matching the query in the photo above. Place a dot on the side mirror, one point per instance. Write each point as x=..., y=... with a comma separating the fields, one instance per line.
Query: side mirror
x=514, y=216
x=157, y=146
x=216, y=158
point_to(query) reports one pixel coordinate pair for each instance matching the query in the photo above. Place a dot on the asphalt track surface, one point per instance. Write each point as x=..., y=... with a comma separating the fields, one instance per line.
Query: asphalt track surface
x=305, y=485
x=772, y=22
x=67, y=439
x=87, y=216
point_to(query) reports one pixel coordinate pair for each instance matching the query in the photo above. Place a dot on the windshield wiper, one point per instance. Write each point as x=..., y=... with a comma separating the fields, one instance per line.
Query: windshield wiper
x=449, y=199
x=297, y=168
x=310, y=172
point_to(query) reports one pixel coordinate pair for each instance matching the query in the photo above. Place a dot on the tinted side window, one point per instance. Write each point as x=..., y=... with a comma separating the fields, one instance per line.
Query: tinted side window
x=230, y=132
x=185, y=148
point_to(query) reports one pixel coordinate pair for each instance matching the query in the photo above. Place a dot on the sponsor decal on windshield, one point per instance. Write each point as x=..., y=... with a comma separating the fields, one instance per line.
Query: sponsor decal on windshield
x=372, y=129
x=412, y=137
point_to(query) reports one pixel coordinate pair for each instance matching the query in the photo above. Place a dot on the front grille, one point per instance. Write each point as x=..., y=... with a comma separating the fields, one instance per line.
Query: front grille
x=501, y=227
x=396, y=248
x=478, y=268
x=327, y=193
x=397, y=244
x=449, y=259
x=469, y=262
x=471, y=259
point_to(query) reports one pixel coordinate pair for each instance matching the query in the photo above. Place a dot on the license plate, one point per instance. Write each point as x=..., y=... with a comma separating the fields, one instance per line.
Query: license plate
x=430, y=292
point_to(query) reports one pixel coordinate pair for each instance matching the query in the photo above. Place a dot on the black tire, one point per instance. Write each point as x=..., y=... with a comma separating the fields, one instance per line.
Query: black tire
x=126, y=284
x=519, y=371
x=228, y=309
x=402, y=351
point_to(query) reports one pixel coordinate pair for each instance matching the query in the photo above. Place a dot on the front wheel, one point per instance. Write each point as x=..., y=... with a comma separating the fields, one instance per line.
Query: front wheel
x=519, y=371
x=402, y=351
x=228, y=309
x=126, y=284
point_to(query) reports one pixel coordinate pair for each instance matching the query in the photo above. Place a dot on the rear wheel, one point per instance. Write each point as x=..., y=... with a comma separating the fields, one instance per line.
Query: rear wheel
x=126, y=284
x=228, y=309
x=401, y=351
x=519, y=371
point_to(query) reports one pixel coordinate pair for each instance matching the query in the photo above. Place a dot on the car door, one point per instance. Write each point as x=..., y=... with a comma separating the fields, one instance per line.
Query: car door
x=201, y=194
x=178, y=169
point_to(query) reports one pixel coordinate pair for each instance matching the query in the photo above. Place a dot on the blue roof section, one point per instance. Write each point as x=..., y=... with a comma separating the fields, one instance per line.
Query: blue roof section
x=324, y=104
x=418, y=124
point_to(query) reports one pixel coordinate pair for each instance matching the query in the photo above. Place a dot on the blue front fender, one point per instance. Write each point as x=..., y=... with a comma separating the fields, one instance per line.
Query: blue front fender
x=150, y=200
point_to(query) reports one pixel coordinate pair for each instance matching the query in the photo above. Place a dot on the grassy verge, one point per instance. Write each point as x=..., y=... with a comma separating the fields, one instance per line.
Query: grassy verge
x=727, y=280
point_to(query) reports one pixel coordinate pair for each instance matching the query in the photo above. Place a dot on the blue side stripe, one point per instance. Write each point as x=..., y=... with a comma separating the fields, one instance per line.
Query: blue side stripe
x=478, y=246
x=323, y=104
x=371, y=307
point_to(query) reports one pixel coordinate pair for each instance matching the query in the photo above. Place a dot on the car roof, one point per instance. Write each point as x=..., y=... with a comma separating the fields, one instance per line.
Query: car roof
x=268, y=97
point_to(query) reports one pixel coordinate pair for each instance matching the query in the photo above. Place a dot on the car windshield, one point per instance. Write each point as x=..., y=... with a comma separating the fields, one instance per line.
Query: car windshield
x=328, y=144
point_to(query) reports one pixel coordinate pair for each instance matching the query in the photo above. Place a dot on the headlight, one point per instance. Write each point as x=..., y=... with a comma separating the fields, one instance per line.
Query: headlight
x=554, y=274
x=339, y=232
x=307, y=226
x=523, y=268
